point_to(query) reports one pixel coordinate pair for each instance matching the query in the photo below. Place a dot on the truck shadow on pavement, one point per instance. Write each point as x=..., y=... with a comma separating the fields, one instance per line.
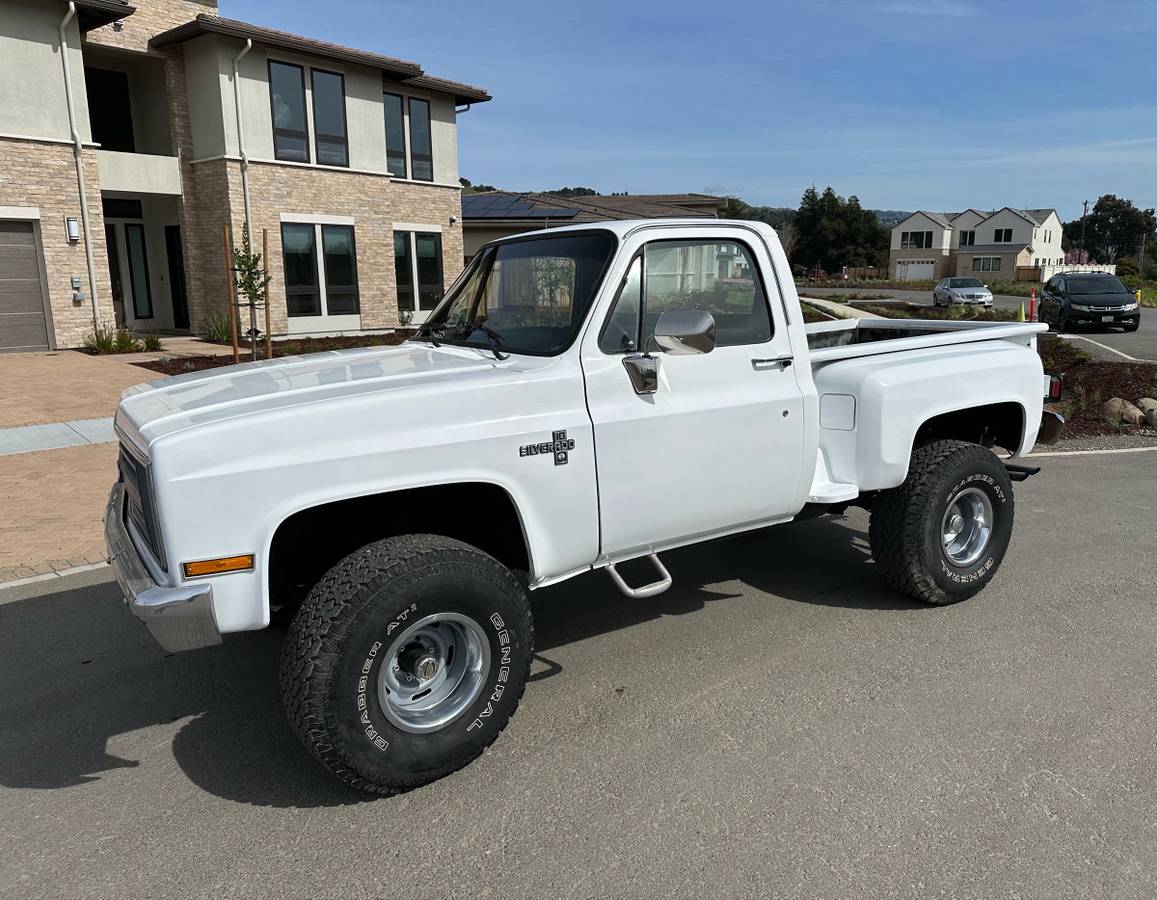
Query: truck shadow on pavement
x=80, y=680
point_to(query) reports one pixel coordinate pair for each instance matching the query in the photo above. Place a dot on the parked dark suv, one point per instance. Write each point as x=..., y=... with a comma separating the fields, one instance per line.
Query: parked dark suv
x=1091, y=299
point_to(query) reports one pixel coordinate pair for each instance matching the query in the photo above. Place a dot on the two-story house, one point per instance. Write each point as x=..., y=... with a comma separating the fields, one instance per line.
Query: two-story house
x=930, y=245
x=132, y=137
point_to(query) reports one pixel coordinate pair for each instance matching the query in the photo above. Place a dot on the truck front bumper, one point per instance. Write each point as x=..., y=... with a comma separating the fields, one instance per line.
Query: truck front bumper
x=180, y=618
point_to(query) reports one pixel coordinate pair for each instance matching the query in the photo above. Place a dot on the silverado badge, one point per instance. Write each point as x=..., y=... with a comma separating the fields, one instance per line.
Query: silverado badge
x=560, y=446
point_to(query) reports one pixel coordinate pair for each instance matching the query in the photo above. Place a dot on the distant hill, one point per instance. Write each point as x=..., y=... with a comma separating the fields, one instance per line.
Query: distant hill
x=890, y=218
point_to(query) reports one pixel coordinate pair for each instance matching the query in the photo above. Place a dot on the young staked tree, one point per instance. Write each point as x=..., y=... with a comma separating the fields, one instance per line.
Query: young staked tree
x=250, y=280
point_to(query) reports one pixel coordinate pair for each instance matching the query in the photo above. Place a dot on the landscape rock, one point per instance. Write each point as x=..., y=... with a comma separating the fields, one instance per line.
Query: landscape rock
x=1122, y=411
x=1148, y=406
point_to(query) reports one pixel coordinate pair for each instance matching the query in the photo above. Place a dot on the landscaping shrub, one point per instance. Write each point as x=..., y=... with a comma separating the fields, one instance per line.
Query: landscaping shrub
x=124, y=342
x=217, y=328
x=111, y=340
x=152, y=343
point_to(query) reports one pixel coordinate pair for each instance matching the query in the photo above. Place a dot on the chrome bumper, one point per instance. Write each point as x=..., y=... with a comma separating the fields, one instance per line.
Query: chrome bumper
x=180, y=618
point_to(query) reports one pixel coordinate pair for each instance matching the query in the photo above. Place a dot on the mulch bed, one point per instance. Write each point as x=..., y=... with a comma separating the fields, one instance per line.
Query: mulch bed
x=1088, y=383
x=179, y=365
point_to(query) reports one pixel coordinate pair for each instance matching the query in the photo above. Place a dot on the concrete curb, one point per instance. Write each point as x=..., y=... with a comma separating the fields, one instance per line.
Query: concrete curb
x=839, y=310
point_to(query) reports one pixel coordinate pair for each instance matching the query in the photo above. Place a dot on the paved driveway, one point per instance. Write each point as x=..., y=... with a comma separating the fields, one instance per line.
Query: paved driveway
x=778, y=723
x=1139, y=344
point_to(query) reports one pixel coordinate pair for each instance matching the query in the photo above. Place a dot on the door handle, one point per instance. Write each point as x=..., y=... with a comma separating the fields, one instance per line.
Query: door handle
x=776, y=362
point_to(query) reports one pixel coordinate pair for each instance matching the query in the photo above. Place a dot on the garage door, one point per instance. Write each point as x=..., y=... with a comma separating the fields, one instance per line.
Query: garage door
x=915, y=269
x=22, y=323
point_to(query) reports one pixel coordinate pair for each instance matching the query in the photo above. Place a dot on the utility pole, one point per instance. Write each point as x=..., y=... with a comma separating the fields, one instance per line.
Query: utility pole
x=1084, y=253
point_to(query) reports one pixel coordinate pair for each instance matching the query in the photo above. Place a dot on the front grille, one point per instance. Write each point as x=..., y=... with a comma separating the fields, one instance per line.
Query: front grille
x=141, y=511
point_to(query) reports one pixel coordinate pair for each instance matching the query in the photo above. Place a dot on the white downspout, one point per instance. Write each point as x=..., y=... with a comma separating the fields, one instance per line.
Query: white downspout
x=77, y=147
x=241, y=134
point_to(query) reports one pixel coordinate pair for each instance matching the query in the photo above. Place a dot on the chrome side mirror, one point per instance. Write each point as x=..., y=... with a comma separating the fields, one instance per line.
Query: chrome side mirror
x=685, y=332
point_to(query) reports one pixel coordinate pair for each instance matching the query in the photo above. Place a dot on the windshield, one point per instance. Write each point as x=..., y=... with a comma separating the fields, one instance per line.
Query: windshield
x=1087, y=284
x=964, y=283
x=527, y=296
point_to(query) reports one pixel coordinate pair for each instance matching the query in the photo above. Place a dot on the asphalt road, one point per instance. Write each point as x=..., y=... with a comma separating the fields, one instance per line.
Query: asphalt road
x=1139, y=344
x=779, y=723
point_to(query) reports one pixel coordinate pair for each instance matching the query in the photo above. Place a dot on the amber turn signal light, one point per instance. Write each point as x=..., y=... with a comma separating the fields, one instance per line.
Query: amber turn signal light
x=218, y=566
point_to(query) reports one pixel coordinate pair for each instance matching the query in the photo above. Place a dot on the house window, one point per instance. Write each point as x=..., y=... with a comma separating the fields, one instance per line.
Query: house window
x=395, y=135
x=418, y=262
x=915, y=240
x=967, y=238
x=1002, y=236
x=109, y=109
x=329, y=119
x=302, y=288
x=287, y=100
x=341, y=270
x=308, y=294
x=986, y=264
x=421, y=146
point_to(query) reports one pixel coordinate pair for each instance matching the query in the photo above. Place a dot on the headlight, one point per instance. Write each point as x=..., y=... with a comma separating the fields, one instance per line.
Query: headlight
x=1129, y=307
x=1080, y=308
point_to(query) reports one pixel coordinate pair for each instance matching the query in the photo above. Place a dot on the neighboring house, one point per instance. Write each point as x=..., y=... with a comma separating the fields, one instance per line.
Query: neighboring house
x=930, y=245
x=496, y=214
x=123, y=159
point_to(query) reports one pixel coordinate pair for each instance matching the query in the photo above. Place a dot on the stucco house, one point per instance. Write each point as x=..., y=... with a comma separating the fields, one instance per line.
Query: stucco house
x=932, y=245
x=130, y=136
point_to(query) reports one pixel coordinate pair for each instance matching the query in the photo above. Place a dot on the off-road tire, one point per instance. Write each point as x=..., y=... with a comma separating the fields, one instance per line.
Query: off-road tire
x=329, y=664
x=905, y=526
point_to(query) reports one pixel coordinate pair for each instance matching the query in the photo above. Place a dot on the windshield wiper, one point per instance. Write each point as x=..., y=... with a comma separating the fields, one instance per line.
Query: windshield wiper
x=493, y=338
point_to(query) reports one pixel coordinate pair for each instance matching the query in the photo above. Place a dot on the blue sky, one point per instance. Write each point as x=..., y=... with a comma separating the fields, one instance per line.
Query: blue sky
x=934, y=104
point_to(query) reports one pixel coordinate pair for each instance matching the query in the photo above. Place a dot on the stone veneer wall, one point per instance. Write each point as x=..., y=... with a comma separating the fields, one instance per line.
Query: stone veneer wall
x=43, y=175
x=375, y=203
x=150, y=19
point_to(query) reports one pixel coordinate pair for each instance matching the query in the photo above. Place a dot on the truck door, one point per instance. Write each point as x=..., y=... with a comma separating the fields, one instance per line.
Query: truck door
x=718, y=444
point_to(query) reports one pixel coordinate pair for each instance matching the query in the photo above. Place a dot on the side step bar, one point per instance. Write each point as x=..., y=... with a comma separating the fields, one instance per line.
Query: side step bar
x=647, y=590
x=1020, y=473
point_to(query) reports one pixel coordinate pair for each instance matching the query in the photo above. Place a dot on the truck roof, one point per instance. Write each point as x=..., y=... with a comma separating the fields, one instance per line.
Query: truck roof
x=623, y=227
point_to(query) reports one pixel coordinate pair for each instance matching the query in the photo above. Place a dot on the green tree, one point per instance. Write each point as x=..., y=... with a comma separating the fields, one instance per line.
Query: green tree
x=470, y=188
x=574, y=192
x=832, y=232
x=1113, y=228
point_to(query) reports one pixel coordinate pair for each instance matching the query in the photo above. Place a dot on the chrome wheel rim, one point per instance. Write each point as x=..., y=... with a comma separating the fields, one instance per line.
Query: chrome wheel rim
x=967, y=526
x=433, y=671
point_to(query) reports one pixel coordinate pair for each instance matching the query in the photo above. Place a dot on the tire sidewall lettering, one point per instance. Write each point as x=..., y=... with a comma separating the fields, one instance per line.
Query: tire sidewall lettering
x=983, y=569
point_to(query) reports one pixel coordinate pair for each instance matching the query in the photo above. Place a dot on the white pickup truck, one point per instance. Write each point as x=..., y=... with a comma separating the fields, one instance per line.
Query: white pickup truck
x=580, y=397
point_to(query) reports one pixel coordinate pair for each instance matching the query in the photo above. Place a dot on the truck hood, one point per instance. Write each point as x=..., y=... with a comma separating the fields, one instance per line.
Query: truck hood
x=150, y=411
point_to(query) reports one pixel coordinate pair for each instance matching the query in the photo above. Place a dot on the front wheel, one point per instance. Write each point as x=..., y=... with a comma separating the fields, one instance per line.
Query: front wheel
x=942, y=534
x=406, y=661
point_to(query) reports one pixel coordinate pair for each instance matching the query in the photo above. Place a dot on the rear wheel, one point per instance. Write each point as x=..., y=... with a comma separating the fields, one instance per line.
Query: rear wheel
x=406, y=661
x=941, y=535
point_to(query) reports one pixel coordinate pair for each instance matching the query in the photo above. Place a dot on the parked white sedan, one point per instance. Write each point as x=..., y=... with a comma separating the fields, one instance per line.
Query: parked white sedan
x=951, y=291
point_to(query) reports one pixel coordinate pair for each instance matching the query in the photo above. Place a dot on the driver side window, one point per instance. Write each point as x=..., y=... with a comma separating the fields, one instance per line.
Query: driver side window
x=718, y=277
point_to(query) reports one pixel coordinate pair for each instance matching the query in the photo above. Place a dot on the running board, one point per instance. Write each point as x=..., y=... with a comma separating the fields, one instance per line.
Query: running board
x=647, y=590
x=1020, y=473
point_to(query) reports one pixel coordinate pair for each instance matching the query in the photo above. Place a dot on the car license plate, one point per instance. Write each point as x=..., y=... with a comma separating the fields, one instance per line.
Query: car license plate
x=1107, y=318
